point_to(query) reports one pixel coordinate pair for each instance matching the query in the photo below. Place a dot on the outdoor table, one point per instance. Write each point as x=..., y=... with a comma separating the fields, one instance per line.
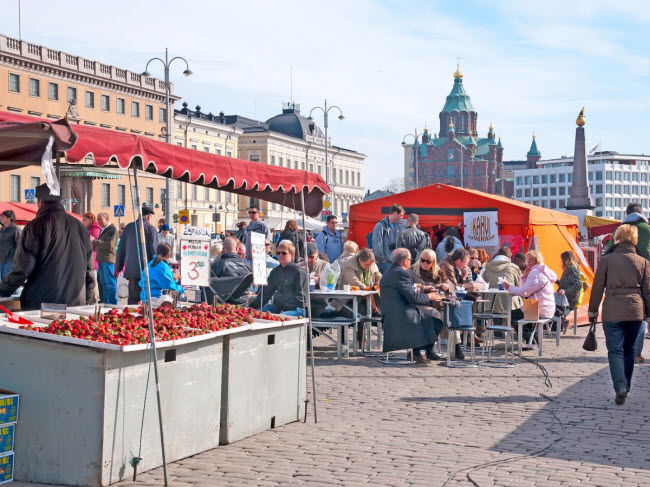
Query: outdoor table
x=342, y=297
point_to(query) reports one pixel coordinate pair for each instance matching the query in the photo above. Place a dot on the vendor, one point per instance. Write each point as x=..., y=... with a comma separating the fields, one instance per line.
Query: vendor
x=160, y=274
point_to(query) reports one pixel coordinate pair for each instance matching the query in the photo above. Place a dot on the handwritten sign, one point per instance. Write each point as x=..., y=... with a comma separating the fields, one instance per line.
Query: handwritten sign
x=258, y=253
x=481, y=228
x=195, y=233
x=195, y=262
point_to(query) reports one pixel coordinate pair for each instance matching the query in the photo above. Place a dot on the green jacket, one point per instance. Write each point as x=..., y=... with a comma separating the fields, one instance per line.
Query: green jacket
x=641, y=223
x=106, y=244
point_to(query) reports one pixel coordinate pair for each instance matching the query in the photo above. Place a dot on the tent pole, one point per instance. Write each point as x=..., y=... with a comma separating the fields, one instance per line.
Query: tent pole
x=149, y=311
x=311, y=336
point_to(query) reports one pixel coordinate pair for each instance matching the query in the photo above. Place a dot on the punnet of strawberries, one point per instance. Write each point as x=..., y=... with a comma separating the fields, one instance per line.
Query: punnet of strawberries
x=130, y=326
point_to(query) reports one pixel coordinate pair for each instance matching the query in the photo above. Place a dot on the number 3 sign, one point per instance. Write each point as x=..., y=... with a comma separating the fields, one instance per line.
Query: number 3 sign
x=195, y=260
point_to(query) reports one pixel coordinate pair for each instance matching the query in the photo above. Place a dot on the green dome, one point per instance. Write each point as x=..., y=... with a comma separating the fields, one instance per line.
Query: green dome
x=534, y=152
x=458, y=100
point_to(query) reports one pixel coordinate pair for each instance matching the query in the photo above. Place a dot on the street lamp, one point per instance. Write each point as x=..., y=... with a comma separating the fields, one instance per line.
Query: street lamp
x=168, y=134
x=67, y=201
x=326, y=111
x=416, y=155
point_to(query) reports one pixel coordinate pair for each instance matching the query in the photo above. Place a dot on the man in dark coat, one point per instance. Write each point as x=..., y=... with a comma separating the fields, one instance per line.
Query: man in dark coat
x=128, y=251
x=54, y=258
x=406, y=325
x=229, y=264
x=413, y=238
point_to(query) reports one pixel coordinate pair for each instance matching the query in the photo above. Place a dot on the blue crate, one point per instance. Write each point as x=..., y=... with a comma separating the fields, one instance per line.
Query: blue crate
x=7, y=437
x=6, y=467
x=8, y=406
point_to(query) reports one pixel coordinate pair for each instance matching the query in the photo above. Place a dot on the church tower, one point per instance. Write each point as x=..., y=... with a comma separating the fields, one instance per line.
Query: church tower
x=533, y=156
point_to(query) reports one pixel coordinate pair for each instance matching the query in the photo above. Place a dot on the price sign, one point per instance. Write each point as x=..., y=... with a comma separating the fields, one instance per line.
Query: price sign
x=195, y=257
x=258, y=252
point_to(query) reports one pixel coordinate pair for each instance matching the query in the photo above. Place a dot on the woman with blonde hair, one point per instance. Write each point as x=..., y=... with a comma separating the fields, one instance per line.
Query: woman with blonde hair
x=626, y=277
x=427, y=272
x=350, y=249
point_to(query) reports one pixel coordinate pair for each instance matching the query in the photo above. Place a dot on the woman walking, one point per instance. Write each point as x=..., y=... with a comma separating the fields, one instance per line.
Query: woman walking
x=570, y=283
x=626, y=277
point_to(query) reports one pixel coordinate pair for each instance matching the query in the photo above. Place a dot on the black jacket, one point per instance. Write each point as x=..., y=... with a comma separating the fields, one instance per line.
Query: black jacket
x=127, y=250
x=54, y=261
x=298, y=242
x=230, y=265
x=9, y=238
x=286, y=286
x=415, y=240
x=405, y=324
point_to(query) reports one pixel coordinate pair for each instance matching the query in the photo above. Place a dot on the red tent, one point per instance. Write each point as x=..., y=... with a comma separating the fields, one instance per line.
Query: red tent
x=25, y=212
x=23, y=140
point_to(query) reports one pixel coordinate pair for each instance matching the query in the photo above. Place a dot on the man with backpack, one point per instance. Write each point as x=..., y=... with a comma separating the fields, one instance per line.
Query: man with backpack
x=413, y=238
x=384, y=236
x=330, y=240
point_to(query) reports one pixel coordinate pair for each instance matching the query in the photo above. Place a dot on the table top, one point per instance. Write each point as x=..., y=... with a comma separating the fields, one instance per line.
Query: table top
x=493, y=291
x=340, y=293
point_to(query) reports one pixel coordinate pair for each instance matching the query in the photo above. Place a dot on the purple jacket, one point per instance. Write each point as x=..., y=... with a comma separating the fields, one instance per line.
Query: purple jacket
x=539, y=285
x=93, y=231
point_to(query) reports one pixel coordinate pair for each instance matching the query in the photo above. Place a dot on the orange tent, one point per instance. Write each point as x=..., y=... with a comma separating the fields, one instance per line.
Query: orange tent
x=520, y=224
x=25, y=212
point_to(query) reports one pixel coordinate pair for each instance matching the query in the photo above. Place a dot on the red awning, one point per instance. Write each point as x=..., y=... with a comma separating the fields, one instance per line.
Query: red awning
x=269, y=183
x=25, y=212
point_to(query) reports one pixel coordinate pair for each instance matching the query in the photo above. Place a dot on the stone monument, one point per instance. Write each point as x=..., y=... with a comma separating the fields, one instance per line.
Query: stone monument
x=579, y=202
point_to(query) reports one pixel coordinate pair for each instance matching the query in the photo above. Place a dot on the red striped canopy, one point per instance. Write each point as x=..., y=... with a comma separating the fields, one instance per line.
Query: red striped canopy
x=23, y=140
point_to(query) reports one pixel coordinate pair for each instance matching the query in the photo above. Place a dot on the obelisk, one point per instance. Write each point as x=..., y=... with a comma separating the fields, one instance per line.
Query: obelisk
x=579, y=202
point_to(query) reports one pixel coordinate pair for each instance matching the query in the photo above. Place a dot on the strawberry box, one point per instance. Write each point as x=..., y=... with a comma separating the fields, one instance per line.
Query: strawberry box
x=6, y=437
x=8, y=406
x=6, y=467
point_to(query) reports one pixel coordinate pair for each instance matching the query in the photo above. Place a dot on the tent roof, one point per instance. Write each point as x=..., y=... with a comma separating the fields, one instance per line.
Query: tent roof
x=25, y=212
x=23, y=140
x=446, y=205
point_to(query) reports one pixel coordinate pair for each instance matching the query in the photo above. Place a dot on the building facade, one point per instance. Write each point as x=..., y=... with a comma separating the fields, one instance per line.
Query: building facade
x=211, y=208
x=291, y=140
x=50, y=84
x=457, y=155
x=615, y=180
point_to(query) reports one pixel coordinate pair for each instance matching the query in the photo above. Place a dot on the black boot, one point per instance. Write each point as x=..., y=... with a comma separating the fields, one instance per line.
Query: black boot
x=621, y=395
x=459, y=353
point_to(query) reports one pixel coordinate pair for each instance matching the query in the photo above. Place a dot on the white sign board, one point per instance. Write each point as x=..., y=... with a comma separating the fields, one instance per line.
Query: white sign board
x=195, y=256
x=481, y=228
x=258, y=252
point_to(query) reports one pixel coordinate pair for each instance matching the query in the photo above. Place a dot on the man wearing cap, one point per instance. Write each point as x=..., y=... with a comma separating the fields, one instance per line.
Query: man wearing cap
x=316, y=264
x=128, y=251
x=165, y=237
x=54, y=258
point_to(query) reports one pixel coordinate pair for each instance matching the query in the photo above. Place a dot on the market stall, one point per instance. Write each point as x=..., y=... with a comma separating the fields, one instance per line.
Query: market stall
x=25, y=212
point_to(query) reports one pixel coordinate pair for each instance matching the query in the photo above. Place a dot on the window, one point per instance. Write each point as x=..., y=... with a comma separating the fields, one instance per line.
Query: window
x=617, y=189
x=626, y=176
x=609, y=174
x=562, y=190
x=635, y=176
x=34, y=181
x=424, y=171
x=590, y=176
x=562, y=178
x=206, y=194
x=163, y=117
x=121, y=106
x=527, y=193
x=527, y=180
x=72, y=94
x=106, y=103
x=254, y=157
x=544, y=191
x=121, y=194
x=347, y=178
x=535, y=179
x=519, y=193
x=599, y=188
x=150, y=197
x=520, y=180
x=561, y=203
x=644, y=177
x=544, y=179
x=280, y=161
x=53, y=91
x=609, y=188
x=617, y=202
x=162, y=197
x=14, y=188
x=617, y=176
x=553, y=191
x=229, y=153
x=148, y=112
x=570, y=176
x=14, y=83
x=599, y=175
x=608, y=202
x=536, y=192
x=106, y=195
x=179, y=190
x=195, y=195
x=553, y=204
x=217, y=152
x=451, y=170
x=34, y=87
x=135, y=109
x=599, y=202
x=90, y=99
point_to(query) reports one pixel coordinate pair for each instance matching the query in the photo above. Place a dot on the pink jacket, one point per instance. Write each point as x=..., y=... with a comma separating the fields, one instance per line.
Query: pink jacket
x=93, y=231
x=539, y=285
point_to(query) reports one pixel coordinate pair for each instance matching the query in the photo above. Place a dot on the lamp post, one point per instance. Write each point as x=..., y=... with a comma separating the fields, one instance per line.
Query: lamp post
x=66, y=203
x=326, y=111
x=168, y=135
x=416, y=155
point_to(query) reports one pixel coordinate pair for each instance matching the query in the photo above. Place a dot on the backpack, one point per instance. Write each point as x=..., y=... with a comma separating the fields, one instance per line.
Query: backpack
x=369, y=240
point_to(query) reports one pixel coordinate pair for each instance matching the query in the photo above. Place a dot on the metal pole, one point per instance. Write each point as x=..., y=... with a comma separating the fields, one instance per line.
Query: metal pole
x=415, y=160
x=149, y=310
x=327, y=167
x=168, y=138
x=311, y=336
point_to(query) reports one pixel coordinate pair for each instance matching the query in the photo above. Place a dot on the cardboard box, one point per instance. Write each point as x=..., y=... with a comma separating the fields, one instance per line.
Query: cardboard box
x=6, y=467
x=7, y=437
x=8, y=406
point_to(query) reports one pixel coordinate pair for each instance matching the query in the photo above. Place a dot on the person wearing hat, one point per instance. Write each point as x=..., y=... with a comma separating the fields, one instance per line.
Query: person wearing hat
x=128, y=252
x=165, y=237
x=316, y=264
x=54, y=258
x=9, y=238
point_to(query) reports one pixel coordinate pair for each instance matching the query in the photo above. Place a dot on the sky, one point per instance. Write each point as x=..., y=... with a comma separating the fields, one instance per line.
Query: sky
x=528, y=66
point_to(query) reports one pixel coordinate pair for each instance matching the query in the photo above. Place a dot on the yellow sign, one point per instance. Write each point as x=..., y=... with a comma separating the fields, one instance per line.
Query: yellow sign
x=184, y=216
x=326, y=204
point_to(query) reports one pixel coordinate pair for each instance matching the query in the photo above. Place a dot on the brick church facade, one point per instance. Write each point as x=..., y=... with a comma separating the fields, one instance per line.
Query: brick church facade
x=458, y=156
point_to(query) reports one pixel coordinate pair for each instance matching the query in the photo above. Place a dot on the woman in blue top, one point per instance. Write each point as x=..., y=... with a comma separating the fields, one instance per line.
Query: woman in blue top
x=160, y=274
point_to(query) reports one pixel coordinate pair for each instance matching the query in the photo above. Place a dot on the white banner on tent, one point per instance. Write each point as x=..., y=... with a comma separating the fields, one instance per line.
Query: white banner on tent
x=481, y=228
x=258, y=252
x=195, y=256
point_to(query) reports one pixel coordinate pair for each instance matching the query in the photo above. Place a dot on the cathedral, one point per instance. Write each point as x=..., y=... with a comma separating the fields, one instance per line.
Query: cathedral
x=457, y=156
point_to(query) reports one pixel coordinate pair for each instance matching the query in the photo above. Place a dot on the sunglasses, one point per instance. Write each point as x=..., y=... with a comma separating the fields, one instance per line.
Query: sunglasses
x=425, y=261
x=282, y=252
x=252, y=212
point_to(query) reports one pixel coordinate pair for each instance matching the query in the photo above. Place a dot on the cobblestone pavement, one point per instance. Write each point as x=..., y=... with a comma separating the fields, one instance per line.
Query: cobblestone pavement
x=408, y=425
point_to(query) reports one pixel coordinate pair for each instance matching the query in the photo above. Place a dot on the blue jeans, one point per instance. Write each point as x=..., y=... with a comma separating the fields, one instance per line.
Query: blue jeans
x=383, y=266
x=5, y=268
x=619, y=338
x=272, y=308
x=638, y=344
x=105, y=271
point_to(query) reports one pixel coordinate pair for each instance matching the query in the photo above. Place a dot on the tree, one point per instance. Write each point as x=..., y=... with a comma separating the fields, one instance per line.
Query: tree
x=395, y=185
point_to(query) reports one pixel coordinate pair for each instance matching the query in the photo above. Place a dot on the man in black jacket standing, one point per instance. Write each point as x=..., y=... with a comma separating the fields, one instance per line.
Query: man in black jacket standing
x=229, y=264
x=286, y=285
x=9, y=238
x=128, y=251
x=413, y=238
x=54, y=258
